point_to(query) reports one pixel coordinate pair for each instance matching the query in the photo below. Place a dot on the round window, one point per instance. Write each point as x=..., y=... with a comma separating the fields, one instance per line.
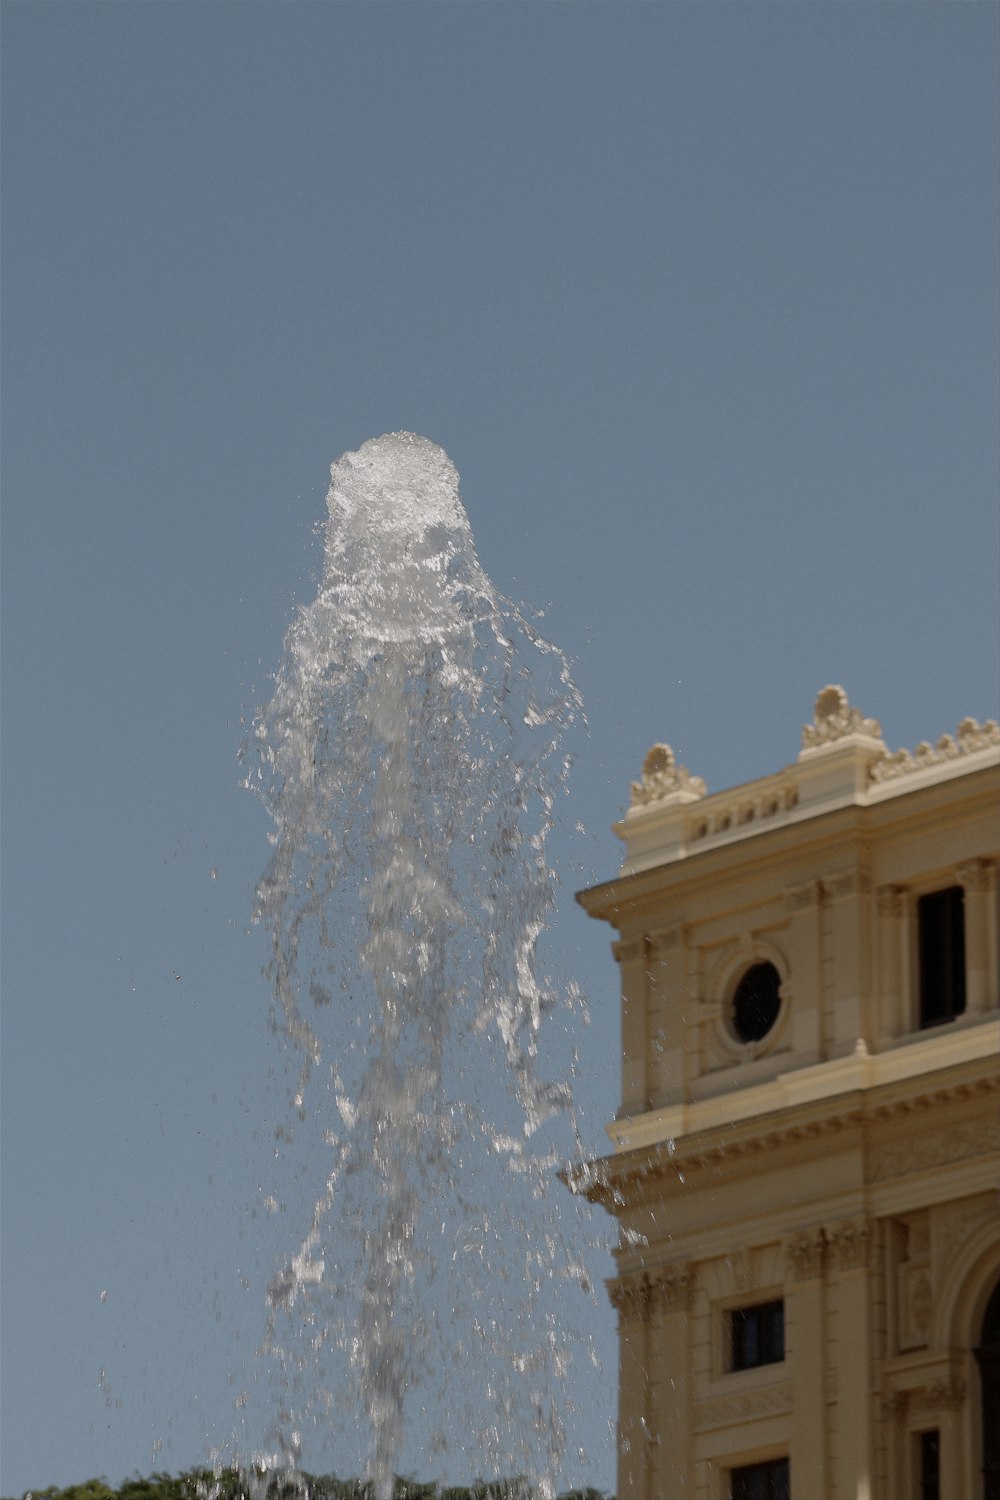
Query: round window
x=756, y=1002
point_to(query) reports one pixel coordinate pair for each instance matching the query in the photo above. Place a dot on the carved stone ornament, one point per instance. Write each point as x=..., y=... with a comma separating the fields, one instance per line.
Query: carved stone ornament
x=835, y=719
x=949, y=1392
x=894, y=1405
x=805, y=1253
x=848, y=1244
x=727, y=1411
x=804, y=897
x=978, y=876
x=969, y=737
x=663, y=777
x=630, y=1297
x=921, y=1151
x=891, y=900
x=965, y=1219
x=846, y=883
x=672, y=1288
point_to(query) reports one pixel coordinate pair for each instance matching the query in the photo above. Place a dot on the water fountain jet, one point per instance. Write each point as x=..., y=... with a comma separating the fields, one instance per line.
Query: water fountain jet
x=410, y=757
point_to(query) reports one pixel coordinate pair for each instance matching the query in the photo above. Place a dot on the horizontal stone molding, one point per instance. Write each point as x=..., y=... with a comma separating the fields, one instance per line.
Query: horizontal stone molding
x=935, y=1149
x=729, y=1411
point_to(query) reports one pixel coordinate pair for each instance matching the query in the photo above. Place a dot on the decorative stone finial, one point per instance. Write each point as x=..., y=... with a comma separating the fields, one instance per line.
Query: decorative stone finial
x=663, y=777
x=835, y=719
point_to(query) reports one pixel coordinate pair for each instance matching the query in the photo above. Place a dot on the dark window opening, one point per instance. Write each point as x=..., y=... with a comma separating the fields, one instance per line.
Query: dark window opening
x=766, y=1481
x=988, y=1357
x=757, y=1335
x=756, y=1002
x=930, y=1465
x=941, y=930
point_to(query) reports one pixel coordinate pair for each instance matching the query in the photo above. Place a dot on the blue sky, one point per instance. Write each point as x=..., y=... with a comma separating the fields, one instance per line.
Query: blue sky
x=702, y=301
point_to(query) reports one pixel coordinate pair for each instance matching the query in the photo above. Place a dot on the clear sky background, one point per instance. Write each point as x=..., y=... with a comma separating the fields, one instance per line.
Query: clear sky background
x=702, y=301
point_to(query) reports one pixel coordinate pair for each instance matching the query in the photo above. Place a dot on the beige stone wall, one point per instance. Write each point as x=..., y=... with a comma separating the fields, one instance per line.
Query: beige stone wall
x=847, y=1162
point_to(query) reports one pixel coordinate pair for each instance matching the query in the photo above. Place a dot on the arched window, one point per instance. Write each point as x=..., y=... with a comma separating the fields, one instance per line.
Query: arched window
x=988, y=1355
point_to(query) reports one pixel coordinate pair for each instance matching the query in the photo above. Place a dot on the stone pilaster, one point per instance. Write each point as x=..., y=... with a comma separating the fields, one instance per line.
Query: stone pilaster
x=978, y=878
x=894, y=1020
x=630, y=1296
x=948, y=1398
x=805, y=1255
x=667, y=1020
x=633, y=959
x=804, y=940
x=849, y=928
x=848, y=1245
x=670, y=1453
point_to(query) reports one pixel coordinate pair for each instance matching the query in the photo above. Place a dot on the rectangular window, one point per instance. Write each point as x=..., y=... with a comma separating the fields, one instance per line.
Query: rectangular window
x=941, y=939
x=930, y=1465
x=766, y=1481
x=757, y=1335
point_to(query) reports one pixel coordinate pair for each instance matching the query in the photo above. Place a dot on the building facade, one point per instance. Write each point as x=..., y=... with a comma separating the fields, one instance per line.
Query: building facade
x=806, y=1163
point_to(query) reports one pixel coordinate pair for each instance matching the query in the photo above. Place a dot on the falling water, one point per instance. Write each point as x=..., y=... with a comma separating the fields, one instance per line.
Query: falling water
x=410, y=758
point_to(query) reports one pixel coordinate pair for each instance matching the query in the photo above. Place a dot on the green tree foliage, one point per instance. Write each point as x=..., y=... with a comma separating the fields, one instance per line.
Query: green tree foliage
x=230, y=1485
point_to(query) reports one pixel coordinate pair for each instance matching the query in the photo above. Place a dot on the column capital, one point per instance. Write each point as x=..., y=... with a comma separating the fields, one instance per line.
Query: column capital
x=891, y=900
x=630, y=1297
x=627, y=950
x=848, y=1243
x=672, y=1287
x=666, y=939
x=979, y=875
x=805, y=1254
x=803, y=897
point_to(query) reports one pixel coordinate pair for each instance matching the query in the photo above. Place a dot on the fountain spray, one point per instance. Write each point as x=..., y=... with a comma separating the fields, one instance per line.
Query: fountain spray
x=410, y=757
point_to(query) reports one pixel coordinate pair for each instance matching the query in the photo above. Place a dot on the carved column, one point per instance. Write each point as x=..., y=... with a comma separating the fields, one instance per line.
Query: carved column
x=979, y=881
x=633, y=957
x=804, y=1254
x=630, y=1297
x=894, y=1018
x=670, y=1415
x=848, y=1257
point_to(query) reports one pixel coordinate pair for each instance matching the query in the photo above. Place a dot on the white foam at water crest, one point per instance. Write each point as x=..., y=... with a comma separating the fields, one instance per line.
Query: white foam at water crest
x=410, y=758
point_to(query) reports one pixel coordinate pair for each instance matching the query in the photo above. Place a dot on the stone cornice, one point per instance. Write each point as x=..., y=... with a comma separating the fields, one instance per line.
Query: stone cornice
x=905, y=1071
x=666, y=1165
x=727, y=1411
